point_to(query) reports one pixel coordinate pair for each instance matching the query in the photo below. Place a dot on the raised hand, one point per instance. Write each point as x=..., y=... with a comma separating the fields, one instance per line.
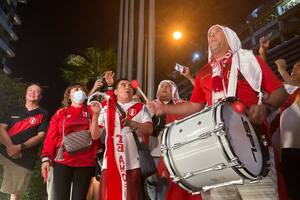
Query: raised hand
x=264, y=43
x=155, y=108
x=281, y=64
x=98, y=84
x=109, y=77
x=96, y=107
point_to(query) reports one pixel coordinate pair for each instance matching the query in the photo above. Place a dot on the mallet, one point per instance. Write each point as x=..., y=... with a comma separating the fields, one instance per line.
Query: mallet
x=135, y=85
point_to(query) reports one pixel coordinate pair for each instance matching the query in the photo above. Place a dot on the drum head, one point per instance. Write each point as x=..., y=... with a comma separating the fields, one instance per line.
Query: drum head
x=243, y=140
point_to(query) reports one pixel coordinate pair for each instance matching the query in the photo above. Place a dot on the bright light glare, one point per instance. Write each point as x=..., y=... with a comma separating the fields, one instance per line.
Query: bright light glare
x=196, y=56
x=177, y=35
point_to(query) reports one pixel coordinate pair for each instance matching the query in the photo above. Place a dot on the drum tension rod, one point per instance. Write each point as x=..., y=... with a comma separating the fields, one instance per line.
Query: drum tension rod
x=235, y=162
x=219, y=130
x=163, y=148
x=216, y=167
x=235, y=182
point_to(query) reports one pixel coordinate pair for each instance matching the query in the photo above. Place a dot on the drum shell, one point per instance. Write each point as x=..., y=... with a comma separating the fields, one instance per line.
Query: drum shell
x=201, y=154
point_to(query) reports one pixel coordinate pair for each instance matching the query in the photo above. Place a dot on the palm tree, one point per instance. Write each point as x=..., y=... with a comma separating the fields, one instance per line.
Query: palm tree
x=86, y=67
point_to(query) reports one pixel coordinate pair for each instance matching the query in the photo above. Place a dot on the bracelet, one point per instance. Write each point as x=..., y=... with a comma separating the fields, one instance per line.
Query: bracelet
x=46, y=159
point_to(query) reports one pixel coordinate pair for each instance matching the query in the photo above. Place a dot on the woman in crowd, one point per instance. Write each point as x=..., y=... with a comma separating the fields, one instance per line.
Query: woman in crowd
x=69, y=168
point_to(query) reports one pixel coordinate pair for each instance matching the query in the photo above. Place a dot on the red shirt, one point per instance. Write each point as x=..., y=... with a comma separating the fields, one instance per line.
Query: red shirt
x=75, y=120
x=203, y=84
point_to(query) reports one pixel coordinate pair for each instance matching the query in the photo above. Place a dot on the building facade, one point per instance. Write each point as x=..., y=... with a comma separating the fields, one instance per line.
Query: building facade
x=8, y=18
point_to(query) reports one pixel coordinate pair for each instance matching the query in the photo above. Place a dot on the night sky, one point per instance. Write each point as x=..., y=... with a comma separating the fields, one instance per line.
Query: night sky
x=52, y=29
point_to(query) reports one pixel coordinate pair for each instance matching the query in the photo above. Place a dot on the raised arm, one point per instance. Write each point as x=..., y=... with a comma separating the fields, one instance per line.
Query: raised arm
x=187, y=74
x=264, y=44
x=185, y=109
x=98, y=84
x=281, y=67
x=96, y=131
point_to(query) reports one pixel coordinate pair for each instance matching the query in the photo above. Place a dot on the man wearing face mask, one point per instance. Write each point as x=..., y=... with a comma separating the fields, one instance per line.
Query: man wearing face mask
x=75, y=168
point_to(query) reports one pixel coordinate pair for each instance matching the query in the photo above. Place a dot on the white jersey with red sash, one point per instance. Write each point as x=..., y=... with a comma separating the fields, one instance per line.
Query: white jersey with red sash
x=124, y=146
x=137, y=112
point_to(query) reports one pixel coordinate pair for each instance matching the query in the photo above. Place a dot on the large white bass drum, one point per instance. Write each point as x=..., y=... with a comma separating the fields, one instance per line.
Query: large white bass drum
x=213, y=148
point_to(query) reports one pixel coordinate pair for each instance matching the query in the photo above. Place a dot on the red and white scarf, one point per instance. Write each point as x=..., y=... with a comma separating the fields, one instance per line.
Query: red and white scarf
x=243, y=61
x=218, y=83
x=116, y=187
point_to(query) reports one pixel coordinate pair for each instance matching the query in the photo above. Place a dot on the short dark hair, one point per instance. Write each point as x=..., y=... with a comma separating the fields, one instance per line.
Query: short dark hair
x=116, y=84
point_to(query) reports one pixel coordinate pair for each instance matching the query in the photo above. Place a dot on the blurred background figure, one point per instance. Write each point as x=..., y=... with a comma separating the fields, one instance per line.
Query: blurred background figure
x=158, y=186
x=289, y=129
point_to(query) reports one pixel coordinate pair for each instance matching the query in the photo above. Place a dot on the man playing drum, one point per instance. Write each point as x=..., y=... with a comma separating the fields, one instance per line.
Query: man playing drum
x=233, y=72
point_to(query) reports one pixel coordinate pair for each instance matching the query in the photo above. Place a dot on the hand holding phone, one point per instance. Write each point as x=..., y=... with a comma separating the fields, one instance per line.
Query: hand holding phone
x=180, y=68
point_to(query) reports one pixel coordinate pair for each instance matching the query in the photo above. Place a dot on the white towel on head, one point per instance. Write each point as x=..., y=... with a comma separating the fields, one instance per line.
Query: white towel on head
x=242, y=60
x=175, y=94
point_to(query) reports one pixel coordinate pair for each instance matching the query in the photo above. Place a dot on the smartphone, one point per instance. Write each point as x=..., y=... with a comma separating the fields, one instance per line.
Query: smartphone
x=180, y=68
x=100, y=78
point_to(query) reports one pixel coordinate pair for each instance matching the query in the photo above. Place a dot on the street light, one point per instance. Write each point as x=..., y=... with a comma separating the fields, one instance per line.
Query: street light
x=177, y=35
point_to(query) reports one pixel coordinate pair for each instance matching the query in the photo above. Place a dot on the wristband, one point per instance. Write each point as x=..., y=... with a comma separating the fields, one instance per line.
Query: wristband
x=46, y=159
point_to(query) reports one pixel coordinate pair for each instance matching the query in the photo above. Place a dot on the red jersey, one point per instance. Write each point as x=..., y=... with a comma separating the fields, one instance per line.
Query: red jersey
x=76, y=119
x=202, y=92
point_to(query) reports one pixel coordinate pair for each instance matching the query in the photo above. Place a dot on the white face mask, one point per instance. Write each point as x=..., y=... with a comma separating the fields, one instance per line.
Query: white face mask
x=79, y=96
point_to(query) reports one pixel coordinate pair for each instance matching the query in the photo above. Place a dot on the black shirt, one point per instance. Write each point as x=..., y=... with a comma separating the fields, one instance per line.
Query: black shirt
x=23, y=125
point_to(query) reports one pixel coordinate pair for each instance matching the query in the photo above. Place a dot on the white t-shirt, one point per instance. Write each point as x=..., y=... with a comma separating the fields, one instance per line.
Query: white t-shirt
x=290, y=127
x=141, y=116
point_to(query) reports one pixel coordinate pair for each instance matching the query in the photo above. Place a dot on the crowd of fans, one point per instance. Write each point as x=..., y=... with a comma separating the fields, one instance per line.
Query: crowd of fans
x=112, y=150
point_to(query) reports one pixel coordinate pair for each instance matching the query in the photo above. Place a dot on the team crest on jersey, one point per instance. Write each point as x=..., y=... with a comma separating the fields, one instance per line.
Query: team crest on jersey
x=32, y=120
x=132, y=112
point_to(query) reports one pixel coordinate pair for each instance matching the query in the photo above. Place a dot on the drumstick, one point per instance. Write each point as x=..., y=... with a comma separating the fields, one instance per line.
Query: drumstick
x=135, y=84
x=238, y=107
